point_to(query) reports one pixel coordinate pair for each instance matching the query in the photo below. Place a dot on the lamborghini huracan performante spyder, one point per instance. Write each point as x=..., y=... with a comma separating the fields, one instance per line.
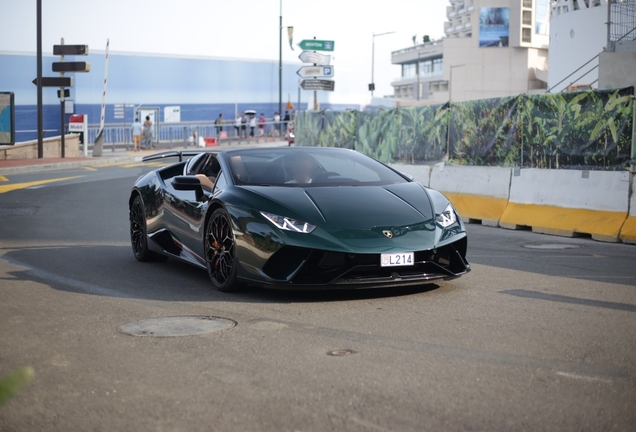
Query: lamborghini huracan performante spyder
x=295, y=217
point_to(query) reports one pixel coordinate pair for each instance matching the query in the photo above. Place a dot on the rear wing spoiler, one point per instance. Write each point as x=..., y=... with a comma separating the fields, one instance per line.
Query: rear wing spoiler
x=170, y=154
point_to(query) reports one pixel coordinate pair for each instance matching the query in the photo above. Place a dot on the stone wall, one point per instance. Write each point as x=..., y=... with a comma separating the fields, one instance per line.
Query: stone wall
x=52, y=148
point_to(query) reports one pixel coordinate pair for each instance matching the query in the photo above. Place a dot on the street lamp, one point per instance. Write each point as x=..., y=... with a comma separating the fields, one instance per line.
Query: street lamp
x=372, y=85
x=280, y=59
x=418, y=71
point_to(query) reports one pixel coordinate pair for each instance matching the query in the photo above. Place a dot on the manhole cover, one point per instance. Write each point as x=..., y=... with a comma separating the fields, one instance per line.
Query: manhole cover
x=177, y=326
x=341, y=353
x=553, y=246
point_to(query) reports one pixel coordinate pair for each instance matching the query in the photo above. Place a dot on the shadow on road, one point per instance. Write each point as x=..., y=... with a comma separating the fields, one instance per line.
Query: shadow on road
x=112, y=271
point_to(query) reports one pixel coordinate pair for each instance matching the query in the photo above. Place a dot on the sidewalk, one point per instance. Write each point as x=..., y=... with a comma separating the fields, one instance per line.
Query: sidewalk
x=109, y=157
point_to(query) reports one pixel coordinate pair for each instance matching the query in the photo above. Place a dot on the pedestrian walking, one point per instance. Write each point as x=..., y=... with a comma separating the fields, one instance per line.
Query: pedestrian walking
x=261, y=125
x=276, y=129
x=244, y=125
x=147, y=134
x=218, y=123
x=237, y=125
x=136, y=135
x=286, y=120
x=252, y=124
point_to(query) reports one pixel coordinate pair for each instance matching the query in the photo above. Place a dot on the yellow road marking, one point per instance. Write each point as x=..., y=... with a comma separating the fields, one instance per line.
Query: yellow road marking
x=16, y=186
x=87, y=168
x=3, y=178
x=154, y=164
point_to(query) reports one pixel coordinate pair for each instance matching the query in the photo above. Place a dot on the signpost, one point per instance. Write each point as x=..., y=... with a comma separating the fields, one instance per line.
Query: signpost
x=317, y=45
x=314, y=57
x=70, y=50
x=55, y=81
x=321, y=67
x=62, y=67
x=71, y=67
x=315, y=71
x=317, y=84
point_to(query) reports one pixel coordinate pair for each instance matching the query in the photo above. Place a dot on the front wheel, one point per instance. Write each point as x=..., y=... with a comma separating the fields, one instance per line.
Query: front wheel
x=220, y=248
x=138, y=238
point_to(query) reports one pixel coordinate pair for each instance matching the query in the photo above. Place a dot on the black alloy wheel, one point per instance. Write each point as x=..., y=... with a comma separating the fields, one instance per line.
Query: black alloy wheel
x=138, y=238
x=220, y=252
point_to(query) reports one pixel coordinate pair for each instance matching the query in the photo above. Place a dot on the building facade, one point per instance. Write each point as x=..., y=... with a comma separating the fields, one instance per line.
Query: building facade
x=492, y=48
x=584, y=50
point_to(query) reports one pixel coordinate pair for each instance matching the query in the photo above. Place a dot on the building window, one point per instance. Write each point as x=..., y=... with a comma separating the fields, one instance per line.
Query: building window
x=408, y=70
x=438, y=66
x=527, y=17
x=526, y=35
x=426, y=68
x=527, y=4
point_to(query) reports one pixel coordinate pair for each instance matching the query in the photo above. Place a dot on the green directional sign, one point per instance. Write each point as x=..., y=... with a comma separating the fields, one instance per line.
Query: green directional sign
x=316, y=45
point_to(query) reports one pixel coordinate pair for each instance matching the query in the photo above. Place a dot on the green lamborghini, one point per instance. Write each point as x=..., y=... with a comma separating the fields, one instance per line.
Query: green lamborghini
x=295, y=218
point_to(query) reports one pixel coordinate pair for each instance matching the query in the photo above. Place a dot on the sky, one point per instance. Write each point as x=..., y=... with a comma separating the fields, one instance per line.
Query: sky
x=231, y=29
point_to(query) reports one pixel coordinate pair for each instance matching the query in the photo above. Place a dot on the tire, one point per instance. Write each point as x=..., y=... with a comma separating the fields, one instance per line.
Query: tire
x=138, y=235
x=220, y=252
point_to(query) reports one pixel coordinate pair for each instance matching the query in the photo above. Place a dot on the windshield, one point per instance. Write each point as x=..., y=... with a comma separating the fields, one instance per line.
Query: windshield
x=307, y=167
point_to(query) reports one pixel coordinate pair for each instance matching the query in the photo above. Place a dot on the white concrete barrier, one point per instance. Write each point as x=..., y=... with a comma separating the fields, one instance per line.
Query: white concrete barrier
x=478, y=193
x=628, y=231
x=569, y=202
x=421, y=173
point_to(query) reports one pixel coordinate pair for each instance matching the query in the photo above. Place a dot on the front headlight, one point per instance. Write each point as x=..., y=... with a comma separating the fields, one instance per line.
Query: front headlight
x=289, y=224
x=447, y=217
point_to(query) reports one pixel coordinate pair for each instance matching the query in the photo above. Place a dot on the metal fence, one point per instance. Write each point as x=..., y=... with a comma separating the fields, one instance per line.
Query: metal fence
x=622, y=21
x=189, y=133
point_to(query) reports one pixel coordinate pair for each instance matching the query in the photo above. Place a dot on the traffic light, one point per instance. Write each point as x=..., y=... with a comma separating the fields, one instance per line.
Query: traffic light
x=71, y=67
x=70, y=49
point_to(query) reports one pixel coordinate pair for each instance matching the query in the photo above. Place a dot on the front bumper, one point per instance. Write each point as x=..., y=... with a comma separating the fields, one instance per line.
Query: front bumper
x=294, y=267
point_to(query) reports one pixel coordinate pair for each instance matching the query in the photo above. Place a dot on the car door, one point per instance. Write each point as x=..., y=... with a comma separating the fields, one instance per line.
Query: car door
x=186, y=215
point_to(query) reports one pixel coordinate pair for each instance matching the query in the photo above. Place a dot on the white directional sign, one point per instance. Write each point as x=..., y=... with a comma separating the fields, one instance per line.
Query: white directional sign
x=316, y=71
x=317, y=84
x=314, y=57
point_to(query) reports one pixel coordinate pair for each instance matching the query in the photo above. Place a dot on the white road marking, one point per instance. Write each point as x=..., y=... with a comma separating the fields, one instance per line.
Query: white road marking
x=584, y=377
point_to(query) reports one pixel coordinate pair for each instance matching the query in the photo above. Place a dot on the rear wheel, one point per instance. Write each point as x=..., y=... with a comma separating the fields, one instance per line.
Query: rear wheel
x=138, y=235
x=220, y=248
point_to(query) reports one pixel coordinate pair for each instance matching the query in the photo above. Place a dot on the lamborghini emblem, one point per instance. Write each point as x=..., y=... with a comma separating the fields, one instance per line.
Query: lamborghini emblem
x=387, y=233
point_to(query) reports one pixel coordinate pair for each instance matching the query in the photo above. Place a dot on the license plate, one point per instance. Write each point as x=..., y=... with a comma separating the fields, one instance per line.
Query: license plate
x=397, y=259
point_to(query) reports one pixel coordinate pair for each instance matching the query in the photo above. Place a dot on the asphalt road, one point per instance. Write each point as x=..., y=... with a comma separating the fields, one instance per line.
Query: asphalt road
x=541, y=335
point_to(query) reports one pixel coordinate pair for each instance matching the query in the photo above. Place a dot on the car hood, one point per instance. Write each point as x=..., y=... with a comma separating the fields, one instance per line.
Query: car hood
x=352, y=207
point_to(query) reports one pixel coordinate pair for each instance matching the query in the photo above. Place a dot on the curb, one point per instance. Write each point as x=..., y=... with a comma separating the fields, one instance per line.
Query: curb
x=66, y=165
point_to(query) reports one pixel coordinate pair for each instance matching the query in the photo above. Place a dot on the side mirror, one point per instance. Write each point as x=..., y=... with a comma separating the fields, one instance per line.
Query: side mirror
x=189, y=183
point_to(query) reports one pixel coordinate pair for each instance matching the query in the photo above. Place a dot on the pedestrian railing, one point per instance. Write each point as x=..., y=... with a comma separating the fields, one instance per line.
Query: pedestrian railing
x=190, y=133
